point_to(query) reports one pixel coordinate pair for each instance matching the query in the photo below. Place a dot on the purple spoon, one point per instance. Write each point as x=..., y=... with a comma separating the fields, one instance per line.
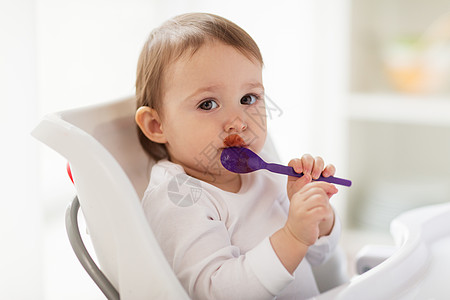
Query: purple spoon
x=243, y=160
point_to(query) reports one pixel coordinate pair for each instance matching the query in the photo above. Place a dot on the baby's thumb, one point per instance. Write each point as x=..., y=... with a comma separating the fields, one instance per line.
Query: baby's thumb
x=295, y=184
x=305, y=179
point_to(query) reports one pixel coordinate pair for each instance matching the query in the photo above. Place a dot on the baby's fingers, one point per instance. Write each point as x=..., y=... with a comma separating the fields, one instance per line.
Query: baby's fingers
x=307, y=163
x=318, y=167
x=297, y=164
x=329, y=170
x=319, y=186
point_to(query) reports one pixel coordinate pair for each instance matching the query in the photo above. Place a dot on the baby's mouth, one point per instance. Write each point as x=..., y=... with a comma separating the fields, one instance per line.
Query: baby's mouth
x=234, y=140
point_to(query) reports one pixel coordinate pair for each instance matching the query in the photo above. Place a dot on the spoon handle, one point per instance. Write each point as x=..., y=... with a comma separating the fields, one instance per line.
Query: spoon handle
x=280, y=169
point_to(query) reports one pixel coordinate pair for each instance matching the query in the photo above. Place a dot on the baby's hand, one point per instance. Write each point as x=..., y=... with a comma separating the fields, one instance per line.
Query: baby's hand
x=311, y=167
x=310, y=213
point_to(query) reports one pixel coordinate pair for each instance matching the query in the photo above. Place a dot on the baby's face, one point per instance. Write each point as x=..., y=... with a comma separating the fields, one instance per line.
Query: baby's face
x=208, y=96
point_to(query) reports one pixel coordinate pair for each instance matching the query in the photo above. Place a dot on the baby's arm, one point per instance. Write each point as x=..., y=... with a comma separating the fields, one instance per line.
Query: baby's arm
x=308, y=208
x=310, y=213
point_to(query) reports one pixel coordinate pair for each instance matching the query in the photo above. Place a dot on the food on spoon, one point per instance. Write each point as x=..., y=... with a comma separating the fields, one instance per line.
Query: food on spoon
x=234, y=140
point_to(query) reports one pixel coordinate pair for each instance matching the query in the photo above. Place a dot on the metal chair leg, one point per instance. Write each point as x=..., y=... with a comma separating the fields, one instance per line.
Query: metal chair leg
x=83, y=255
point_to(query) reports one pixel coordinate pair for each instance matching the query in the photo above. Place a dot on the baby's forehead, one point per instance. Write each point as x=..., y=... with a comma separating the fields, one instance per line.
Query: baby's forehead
x=215, y=60
x=187, y=52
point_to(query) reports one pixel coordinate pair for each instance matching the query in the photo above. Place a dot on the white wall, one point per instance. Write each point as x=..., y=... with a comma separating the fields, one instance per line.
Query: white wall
x=20, y=218
x=87, y=53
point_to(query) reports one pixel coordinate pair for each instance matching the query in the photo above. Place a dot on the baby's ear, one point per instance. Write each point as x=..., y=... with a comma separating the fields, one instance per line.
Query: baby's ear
x=149, y=122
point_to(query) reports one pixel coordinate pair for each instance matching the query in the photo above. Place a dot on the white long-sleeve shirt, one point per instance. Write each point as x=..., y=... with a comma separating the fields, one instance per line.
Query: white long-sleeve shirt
x=217, y=242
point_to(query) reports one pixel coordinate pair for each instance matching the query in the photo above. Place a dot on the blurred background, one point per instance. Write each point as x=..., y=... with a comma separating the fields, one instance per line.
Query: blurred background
x=363, y=83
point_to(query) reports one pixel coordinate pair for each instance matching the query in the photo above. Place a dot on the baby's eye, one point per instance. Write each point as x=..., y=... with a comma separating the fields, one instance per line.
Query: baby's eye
x=208, y=105
x=248, y=99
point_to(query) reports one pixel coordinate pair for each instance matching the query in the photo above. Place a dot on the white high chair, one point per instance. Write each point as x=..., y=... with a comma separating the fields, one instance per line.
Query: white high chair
x=111, y=171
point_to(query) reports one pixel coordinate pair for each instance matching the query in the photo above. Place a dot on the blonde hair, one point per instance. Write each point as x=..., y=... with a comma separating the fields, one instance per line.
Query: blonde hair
x=167, y=43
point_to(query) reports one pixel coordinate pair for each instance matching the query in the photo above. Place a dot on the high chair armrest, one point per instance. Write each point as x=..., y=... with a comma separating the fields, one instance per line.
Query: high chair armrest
x=83, y=255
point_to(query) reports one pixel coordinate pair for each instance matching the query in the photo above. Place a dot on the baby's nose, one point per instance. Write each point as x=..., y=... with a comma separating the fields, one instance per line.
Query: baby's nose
x=236, y=125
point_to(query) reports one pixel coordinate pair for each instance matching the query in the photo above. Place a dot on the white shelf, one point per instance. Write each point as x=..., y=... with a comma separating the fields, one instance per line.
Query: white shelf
x=421, y=110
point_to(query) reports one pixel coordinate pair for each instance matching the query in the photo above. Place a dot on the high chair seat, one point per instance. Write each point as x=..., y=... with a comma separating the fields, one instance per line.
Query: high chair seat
x=111, y=172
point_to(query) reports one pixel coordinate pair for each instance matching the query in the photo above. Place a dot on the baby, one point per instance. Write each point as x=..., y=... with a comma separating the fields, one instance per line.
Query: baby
x=227, y=236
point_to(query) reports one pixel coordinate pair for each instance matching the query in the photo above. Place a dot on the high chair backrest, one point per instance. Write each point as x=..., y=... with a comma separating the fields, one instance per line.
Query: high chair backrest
x=110, y=172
